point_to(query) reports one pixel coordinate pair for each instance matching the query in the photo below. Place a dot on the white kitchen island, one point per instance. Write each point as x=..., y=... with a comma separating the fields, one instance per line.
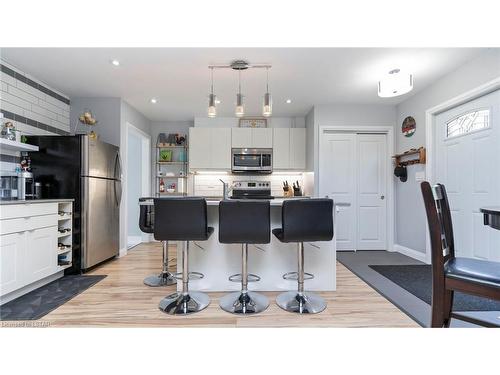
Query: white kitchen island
x=218, y=261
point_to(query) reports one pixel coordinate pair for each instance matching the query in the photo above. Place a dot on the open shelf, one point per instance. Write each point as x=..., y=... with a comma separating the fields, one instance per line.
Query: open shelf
x=9, y=145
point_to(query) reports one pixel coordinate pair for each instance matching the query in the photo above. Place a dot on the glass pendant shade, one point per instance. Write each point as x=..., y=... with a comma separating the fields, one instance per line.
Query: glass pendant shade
x=240, y=109
x=212, y=109
x=395, y=83
x=267, y=108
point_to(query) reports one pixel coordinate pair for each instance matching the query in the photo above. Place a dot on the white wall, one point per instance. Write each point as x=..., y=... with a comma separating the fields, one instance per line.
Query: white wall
x=411, y=223
x=134, y=185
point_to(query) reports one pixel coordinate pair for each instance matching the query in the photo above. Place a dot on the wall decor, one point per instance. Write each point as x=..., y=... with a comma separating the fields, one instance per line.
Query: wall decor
x=253, y=122
x=409, y=126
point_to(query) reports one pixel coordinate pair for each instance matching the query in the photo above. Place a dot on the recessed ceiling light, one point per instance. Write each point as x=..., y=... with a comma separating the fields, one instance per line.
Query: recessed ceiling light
x=115, y=62
x=288, y=101
x=217, y=101
x=154, y=101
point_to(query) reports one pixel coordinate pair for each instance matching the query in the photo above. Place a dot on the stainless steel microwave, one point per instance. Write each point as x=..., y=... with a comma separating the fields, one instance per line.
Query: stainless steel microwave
x=256, y=160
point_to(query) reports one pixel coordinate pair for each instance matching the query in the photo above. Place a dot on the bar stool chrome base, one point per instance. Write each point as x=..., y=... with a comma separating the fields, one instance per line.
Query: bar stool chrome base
x=180, y=304
x=305, y=303
x=244, y=303
x=163, y=279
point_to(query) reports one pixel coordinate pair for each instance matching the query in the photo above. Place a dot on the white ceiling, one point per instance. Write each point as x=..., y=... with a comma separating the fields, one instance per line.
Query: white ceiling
x=179, y=77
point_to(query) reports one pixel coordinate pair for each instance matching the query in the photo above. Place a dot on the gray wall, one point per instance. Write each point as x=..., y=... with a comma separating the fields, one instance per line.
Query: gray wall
x=342, y=115
x=107, y=111
x=410, y=215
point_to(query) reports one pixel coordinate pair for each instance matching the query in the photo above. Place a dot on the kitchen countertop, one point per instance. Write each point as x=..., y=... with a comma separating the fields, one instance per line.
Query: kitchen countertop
x=214, y=201
x=30, y=201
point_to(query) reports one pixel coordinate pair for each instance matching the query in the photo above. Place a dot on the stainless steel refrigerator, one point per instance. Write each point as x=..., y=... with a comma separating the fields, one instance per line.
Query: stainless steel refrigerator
x=88, y=171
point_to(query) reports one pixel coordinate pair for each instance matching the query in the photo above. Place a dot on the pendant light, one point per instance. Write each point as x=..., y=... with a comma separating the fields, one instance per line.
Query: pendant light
x=240, y=109
x=212, y=109
x=267, y=107
x=395, y=83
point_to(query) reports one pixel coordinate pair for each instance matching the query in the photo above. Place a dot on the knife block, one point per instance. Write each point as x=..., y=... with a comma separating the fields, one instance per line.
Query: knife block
x=288, y=193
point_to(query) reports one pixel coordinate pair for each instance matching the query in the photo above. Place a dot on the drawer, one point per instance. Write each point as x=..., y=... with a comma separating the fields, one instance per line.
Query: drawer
x=22, y=224
x=22, y=210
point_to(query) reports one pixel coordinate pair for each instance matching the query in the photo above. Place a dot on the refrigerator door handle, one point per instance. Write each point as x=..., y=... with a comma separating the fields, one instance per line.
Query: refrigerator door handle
x=118, y=166
x=118, y=193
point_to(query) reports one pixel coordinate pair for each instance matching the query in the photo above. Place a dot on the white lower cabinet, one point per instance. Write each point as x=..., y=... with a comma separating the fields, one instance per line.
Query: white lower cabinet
x=29, y=239
x=41, y=253
x=12, y=256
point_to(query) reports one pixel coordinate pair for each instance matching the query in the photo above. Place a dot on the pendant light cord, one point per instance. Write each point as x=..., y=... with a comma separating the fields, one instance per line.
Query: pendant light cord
x=212, y=85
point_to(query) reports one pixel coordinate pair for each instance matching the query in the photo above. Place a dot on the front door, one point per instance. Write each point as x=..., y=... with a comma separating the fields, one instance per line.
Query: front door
x=353, y=173
x=468, y=164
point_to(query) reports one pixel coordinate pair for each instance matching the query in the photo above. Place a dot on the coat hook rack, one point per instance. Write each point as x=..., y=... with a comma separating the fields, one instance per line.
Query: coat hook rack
x=414, y=151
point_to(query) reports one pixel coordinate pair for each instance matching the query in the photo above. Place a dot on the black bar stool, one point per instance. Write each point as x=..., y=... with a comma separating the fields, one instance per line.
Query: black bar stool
x=304, y=220
x=244, y=222
x=182, y=219
x=146, y=224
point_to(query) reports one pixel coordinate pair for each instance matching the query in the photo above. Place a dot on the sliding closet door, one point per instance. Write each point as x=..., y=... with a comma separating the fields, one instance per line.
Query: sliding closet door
x=353, y=173
x=372, y=206
x=338, y=181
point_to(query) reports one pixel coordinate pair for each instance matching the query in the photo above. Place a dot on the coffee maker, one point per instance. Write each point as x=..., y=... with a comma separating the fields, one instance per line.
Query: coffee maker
x=25, y=185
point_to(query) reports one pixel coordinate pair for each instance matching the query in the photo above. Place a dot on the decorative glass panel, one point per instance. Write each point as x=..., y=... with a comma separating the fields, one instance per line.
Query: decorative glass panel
x=467, y=123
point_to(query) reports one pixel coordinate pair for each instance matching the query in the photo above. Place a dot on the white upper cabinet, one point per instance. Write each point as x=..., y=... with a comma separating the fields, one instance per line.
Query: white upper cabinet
x=281, y=148
x=241, y=137
x=251, y=138
x=199, y=148
x=289, y=148
x=220, y=142
x=209, y=148
x=298, y=148
x=262, y=138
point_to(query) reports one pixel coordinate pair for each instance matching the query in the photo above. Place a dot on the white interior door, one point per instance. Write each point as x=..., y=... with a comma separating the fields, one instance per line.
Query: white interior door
x=338, y=181
x=468, y=164
x=353, y=173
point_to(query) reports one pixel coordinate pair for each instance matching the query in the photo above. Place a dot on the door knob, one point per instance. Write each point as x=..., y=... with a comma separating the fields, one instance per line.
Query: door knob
x=382, y=197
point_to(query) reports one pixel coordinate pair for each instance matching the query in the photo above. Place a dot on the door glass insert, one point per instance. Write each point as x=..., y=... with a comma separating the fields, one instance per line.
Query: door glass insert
x=468, y=122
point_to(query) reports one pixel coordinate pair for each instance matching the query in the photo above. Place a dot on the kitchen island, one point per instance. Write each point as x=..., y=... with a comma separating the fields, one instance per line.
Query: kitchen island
x=218, y=261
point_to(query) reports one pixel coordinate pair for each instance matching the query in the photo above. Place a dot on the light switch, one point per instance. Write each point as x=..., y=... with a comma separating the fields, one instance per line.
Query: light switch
x=420, y=176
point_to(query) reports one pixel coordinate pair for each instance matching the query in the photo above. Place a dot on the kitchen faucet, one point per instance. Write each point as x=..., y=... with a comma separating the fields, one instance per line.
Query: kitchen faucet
x=225, y=189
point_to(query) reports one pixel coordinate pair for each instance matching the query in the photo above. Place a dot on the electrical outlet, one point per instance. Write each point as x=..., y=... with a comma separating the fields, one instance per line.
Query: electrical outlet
x=420, y=176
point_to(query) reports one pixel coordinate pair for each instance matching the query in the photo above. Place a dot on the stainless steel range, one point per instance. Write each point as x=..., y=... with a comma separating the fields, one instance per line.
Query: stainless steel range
x=252, y=190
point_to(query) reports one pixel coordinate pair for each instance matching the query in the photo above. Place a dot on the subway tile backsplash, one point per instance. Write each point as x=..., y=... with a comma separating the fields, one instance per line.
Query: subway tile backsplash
x=32, y=106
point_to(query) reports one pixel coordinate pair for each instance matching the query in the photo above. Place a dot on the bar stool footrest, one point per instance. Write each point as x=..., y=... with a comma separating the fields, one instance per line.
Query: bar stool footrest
x=295, y=276
x=237, y=278
x=191, y=275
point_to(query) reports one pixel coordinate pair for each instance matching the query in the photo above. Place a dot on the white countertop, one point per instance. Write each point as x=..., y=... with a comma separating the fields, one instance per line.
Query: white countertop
x=30, y=201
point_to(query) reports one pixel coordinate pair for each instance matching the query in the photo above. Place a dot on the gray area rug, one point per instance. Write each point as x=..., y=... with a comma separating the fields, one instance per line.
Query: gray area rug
x=417, y=279
x=39, y=302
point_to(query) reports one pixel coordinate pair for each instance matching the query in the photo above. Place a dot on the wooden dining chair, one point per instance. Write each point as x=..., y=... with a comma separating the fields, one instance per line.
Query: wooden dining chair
x=450, y=273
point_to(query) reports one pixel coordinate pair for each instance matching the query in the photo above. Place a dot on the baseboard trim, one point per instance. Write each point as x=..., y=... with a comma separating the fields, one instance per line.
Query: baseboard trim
x=122, y=252
x=410, y=252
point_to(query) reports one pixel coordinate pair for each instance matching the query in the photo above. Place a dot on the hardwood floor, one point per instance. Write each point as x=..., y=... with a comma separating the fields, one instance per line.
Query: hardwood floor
x=122, y=300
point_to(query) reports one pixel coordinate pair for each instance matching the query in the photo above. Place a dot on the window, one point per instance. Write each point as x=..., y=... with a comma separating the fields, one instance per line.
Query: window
x=467, y=123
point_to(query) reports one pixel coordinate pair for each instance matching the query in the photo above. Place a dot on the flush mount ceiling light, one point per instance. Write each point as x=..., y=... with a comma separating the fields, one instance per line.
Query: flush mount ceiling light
x=395, y=83
x=212, y=99
x=115, y=62
x=154, y=100
x=239, y=65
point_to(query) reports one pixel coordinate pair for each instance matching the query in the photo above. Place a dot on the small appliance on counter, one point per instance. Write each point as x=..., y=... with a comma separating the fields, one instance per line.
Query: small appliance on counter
x=8, y=185
x=252, y=190
x=25, y=185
